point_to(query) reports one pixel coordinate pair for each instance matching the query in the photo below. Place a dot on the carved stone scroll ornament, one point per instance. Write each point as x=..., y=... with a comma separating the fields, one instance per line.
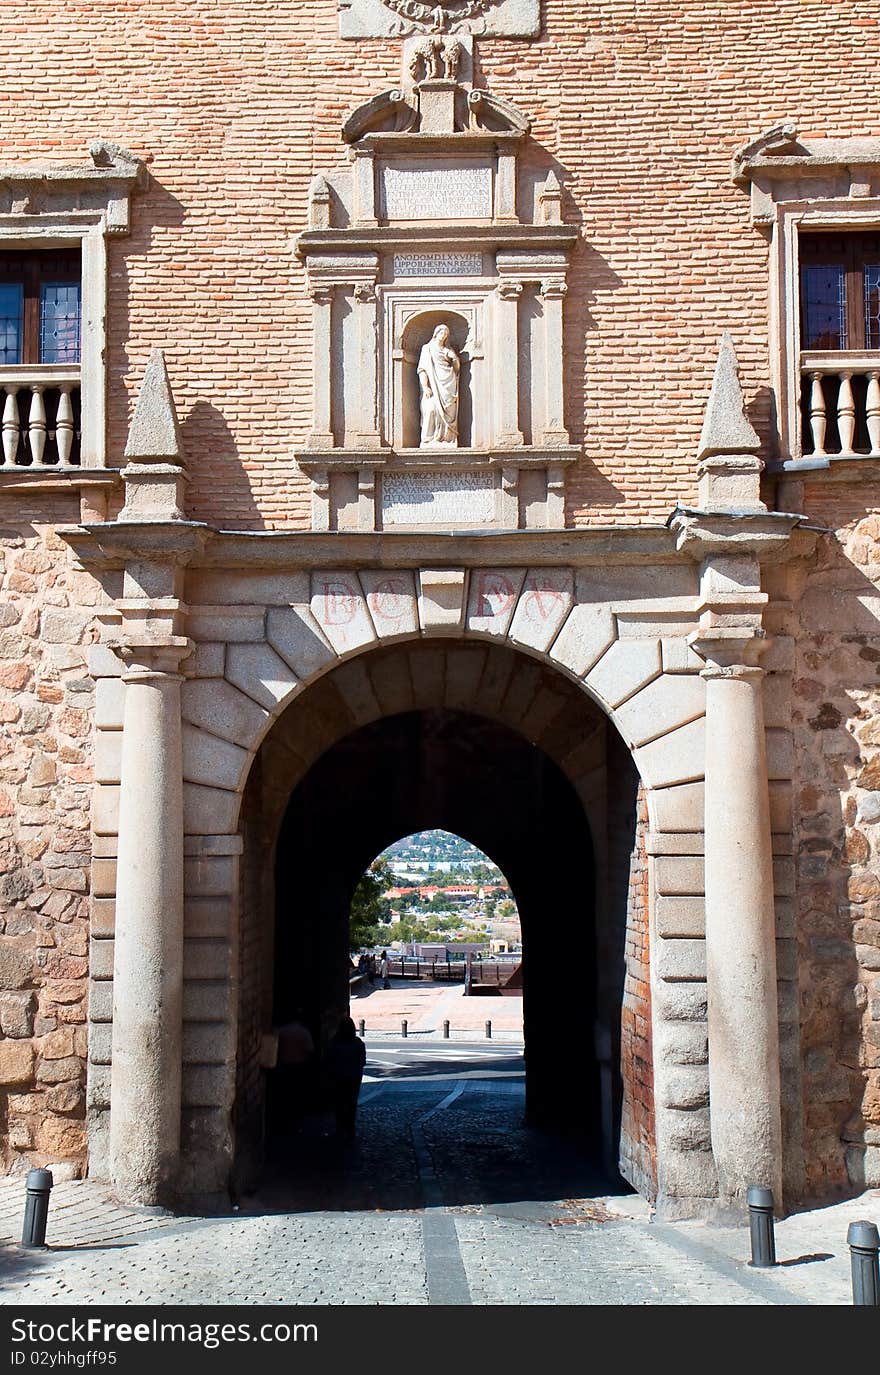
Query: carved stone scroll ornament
x=438, y=370
x=403, y=18
x=415, y=16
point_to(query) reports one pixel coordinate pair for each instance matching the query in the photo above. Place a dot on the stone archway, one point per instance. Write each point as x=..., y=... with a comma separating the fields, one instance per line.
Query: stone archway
x=265, y=644
x=484, y=741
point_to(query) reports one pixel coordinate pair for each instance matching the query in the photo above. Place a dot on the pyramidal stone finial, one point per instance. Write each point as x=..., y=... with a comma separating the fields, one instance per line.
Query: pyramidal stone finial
x=154, y=476
x=726, y=427
x=154, y=436
x=728, y=463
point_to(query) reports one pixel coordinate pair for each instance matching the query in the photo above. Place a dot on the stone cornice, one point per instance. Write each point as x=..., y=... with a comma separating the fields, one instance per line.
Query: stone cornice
x=15, y=479
x=112, y=544
x=461, y=460
x=780, y=155
x=385, y=238
x=769, y=536
x=46, y=187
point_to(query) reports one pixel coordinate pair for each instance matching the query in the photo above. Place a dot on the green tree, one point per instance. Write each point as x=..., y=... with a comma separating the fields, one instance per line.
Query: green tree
x=368, y=916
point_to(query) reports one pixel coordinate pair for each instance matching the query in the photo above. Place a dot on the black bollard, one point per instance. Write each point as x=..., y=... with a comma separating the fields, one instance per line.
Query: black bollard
x=760, y=1203
x=404, y=1027
x=863, y=1240
x=446, y=1030
x=36, y=1209
x=362, y=1026
x=488, y=1031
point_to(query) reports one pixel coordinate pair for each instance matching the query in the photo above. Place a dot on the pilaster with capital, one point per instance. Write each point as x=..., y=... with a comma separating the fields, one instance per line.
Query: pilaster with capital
x=508, y=432
x=321, y=434
x=553, y=293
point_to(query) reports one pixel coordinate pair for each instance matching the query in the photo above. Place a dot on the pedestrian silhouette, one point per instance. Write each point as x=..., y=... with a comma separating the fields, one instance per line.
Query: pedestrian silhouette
x=346, y=1056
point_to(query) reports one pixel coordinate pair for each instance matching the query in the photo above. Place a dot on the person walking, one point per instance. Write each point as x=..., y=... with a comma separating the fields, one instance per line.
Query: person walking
x=383, y=969
x=346, y=1056
x=294, y=1070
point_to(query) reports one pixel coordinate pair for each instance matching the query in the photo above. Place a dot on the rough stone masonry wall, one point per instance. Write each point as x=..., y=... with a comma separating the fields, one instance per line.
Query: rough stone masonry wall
x=46, y=700
x=837, y=811
x=236, y=109
x=638, y=1141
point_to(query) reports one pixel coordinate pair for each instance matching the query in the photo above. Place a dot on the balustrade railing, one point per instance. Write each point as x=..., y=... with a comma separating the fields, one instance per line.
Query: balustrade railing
x=840, y=404
x=39, y=417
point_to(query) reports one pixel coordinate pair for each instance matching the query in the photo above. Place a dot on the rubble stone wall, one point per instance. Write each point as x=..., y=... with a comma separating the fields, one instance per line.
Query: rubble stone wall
x=47, y=611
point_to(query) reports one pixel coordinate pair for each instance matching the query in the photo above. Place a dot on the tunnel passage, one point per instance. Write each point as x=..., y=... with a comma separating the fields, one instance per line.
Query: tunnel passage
x=461, y=773
x=548, y=792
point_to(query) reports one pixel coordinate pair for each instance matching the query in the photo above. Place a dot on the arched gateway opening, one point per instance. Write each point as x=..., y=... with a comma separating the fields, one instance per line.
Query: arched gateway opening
x=501, y=749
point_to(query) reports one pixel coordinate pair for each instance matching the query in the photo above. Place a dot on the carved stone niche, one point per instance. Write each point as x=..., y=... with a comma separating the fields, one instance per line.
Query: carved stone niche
x=438, y=271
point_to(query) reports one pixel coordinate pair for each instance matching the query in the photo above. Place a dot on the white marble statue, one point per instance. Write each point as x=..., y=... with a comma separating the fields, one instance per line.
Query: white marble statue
x=438, y=379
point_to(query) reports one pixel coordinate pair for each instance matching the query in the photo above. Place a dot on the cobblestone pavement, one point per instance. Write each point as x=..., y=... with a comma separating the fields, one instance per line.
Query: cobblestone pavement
x=448, y=1199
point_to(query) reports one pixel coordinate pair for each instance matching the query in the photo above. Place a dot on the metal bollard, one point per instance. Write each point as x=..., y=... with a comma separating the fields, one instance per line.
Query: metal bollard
x=760, y=1201
x=488, y=1031
x=362, y=1026
x=863, y=1240
x=36, y=1209
x=404, y=1027
x=446, y=1031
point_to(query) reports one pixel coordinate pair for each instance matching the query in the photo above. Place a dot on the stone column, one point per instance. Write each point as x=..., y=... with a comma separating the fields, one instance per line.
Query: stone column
x=743, y=1014
x=148, y=956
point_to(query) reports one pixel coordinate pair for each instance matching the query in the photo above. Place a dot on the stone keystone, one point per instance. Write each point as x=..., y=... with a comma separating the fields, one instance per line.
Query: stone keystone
x=726, y=428
x=154, y=436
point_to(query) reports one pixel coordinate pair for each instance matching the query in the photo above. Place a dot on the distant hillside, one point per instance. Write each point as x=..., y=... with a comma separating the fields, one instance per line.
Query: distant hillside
x=427, y=851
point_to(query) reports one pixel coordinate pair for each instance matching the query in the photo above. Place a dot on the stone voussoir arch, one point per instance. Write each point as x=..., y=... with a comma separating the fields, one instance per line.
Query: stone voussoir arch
x=655, y=698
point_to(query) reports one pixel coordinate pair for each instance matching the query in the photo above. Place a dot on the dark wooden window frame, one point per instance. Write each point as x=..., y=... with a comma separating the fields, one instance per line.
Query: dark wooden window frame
x=853, y=252
x=33, y=269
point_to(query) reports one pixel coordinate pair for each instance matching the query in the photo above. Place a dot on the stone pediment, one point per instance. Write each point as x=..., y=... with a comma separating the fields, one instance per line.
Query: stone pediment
x=104, y=185
x=436, y=108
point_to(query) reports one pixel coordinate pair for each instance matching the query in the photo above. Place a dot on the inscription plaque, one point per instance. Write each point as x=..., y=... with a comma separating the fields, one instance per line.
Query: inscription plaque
x=435, y=191
x=438, y=264
x=438, y=498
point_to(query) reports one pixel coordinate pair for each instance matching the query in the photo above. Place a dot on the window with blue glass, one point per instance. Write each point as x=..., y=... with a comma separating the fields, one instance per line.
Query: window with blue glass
x=40, y=307
x=840, y=291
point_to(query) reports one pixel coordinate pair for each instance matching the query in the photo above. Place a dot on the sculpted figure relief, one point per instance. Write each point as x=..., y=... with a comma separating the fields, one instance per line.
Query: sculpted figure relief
x=438, y=380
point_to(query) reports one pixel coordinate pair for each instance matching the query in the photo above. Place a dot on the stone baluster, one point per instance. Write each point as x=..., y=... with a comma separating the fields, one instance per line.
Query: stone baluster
x=818, y=420
x=873, y=411
x=846, y=413
x=148, y=952
x=37, y=424
x=553, y=294
x=64, y=425
x=321, y=436
x=11, y=424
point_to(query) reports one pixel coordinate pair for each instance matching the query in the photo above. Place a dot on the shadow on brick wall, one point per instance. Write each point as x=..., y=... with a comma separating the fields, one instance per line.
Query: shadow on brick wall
x=212, y=455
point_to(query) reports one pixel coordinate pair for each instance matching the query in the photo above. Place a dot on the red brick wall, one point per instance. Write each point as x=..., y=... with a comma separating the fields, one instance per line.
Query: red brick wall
x=236, y=107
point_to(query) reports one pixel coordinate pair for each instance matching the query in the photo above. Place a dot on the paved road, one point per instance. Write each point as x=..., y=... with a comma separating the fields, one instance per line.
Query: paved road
x=448, y=1199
